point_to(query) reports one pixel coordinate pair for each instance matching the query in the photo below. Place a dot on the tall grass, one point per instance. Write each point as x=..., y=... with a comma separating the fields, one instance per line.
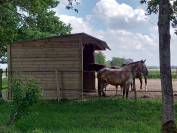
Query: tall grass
x=155, y=74
x=94, y=116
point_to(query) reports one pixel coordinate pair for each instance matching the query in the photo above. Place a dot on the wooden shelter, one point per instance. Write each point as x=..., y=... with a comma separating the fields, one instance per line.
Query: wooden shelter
x=59, y=64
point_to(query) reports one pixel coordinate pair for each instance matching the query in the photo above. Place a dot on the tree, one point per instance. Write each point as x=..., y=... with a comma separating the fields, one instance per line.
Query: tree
x=28, y=19
x=100, y=58
x=117, y=61
x=167, y=13
x=108, y=63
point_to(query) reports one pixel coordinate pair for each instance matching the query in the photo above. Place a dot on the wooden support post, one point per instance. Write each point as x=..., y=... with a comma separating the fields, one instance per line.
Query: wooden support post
x=58, y=87
x=82, y=69
x=9, y=72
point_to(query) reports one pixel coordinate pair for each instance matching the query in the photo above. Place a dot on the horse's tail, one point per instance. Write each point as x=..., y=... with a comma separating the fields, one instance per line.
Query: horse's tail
x=145, y=74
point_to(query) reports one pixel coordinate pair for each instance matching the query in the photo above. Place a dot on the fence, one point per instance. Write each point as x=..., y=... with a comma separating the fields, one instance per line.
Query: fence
x=59, y=83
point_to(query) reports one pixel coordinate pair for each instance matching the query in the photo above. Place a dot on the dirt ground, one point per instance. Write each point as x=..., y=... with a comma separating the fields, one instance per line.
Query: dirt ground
x=153, y=87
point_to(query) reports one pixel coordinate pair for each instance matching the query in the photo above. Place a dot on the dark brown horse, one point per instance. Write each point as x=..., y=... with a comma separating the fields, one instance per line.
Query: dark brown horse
x=140, y=73
x=123, y=77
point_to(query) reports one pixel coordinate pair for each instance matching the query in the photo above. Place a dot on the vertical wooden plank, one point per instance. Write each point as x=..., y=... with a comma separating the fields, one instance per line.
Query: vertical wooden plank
x=82, y=71
x=62, y=80
x=9, y=57
x=57, y=85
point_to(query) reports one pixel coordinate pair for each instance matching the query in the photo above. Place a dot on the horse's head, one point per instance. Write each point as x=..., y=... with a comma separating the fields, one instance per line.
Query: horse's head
x=137, y=67
x=141, y=66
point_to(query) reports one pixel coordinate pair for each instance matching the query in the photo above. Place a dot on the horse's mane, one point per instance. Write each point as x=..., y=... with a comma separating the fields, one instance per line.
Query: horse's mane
x=131, y=63
x=96, y=67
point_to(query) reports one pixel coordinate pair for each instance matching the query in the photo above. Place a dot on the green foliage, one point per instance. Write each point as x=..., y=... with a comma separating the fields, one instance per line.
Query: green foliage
x=100, y=58
x=5, y=83
x=28, y=19
x=70, y=4
x=26, y=93
x=153, y=7
x=108, y=63
x=117, y=61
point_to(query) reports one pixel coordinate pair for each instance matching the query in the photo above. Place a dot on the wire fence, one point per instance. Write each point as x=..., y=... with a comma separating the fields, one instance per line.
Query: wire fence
x=111, y=90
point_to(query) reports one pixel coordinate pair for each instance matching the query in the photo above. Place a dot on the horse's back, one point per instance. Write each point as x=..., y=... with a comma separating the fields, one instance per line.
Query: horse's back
x=113, y=76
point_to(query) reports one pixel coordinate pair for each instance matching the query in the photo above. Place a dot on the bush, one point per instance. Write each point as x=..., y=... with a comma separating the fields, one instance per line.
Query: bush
x=26, y=93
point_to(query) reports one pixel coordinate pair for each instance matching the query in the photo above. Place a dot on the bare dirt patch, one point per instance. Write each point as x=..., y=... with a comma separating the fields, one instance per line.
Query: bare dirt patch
x=153, y=86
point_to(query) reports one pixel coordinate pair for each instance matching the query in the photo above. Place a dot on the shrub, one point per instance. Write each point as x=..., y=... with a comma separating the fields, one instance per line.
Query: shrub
x=26, y=93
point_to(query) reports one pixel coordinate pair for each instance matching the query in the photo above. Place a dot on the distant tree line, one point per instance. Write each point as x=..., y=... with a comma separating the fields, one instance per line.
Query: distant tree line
x=100, y=58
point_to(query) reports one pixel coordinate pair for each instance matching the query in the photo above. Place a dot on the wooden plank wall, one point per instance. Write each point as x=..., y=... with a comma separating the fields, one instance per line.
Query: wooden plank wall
x=39, y=60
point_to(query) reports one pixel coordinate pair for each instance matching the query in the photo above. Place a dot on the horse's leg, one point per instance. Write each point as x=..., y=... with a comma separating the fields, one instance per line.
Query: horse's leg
x=103, y=94
x=131, y=86
x=120, y=89
x=100, y=87
x=104, y=89
x=116, y=89
x=134, y=87
x=123, y=90
x=145, y=78
x=127, y=90
x=141, y=82
x=104, y=86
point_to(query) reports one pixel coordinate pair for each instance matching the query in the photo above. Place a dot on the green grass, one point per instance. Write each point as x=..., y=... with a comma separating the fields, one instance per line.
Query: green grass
x=5, y=83
x=155, y=74
x=94, y=116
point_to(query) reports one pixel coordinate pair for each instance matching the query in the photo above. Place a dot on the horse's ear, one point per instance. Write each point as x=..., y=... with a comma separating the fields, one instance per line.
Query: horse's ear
x=144, y=60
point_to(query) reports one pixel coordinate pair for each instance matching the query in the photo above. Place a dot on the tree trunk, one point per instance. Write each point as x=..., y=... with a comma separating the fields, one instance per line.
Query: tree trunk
x=168, y=115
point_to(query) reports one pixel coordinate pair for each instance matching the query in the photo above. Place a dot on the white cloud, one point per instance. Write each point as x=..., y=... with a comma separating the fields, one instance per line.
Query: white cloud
x=120, y=16
x=130, y=45
x=123, y=43
x=120, y=19
x=78, y=24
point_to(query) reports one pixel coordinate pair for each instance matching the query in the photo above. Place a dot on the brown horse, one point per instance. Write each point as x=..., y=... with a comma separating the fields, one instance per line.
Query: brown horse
x=140, y=73
x=98, y=67
x=123, y=77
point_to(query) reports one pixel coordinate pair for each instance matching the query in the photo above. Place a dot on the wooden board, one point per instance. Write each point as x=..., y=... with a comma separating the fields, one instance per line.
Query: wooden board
x=40, y=62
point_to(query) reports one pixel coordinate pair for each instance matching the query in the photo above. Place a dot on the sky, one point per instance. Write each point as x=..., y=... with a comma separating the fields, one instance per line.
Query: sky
x=122, y=24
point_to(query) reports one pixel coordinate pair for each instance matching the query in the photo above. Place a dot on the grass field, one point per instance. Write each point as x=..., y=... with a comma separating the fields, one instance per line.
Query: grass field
x=94, y=116
x=155, y=74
